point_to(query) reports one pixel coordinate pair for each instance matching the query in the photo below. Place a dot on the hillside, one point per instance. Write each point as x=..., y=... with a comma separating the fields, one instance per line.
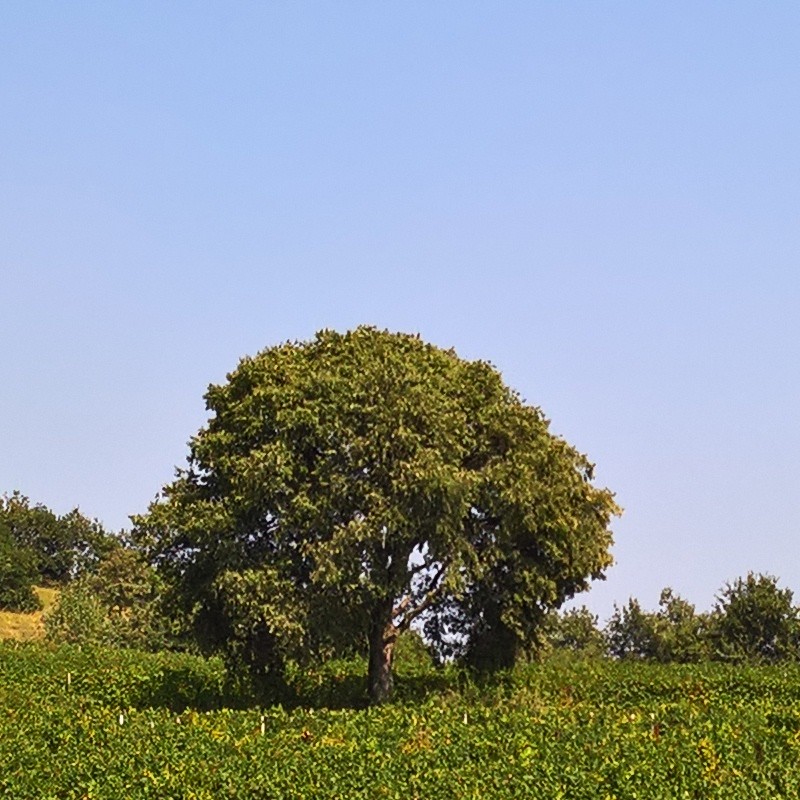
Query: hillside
x=26, y=627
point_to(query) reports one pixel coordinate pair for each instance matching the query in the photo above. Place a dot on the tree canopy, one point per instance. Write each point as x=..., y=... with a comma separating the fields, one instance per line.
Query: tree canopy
x=61, y=546
x=755, y=620
x=17, y=574
x=348, y=486
x=674, y=633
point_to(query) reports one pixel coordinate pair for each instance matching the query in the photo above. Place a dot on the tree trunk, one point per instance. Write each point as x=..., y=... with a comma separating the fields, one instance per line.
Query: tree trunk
x=382, y=638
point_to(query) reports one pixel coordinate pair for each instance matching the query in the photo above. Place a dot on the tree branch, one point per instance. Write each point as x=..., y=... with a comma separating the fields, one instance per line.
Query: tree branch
x=425, y=602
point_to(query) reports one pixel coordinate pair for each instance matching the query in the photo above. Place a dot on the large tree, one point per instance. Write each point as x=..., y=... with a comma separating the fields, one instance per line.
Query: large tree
x=347, y=486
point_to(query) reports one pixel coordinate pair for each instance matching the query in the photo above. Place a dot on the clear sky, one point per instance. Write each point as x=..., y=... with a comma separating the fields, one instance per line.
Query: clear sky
x=603, y=199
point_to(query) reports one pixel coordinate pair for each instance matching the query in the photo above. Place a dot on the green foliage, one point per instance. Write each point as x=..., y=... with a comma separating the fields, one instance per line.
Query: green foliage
x=675, y=633
x=17, y=575
x=62, y=546
x=631, y=632
x=118, y=602
x=109, y=677
x=755, y=620
x=347, y=486
x=78, y=618
x=575, y=630
x=149, y=727
x=682, y=635
x=412, y=656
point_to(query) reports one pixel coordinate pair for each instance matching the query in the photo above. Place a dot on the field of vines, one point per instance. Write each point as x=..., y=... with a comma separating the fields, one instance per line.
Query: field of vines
x=119, y=724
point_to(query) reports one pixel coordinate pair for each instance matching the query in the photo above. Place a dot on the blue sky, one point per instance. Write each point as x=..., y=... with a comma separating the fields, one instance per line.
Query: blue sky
x=601, y=199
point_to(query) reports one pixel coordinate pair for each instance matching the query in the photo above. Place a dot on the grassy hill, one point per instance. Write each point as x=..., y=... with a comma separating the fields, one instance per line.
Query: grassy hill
x=26, y=627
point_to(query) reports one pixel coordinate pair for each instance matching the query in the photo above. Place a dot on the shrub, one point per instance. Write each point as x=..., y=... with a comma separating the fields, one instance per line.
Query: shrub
x=78, y=618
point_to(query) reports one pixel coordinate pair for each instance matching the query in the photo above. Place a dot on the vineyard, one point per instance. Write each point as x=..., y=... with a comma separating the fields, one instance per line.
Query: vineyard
x=119, y=724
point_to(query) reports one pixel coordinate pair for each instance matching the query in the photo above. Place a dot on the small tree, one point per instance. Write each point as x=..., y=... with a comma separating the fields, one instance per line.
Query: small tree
x=631, y=632
x=78, y=618
x=577, y=631
x=673, y=633
x=347, y=486
x=682, y=635
x=755, y=620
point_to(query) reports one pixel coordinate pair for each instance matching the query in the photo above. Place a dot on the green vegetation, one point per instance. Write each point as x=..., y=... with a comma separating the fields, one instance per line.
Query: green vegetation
x=351, y=486
x=118, y=602
x=58, y=548
x=754, y=621
x=17, y=574
x=371, y=543
x=107, y=724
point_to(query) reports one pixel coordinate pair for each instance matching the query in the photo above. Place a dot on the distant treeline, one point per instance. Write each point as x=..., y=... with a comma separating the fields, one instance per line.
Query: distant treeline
x=753, y=620
x=37, y=546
